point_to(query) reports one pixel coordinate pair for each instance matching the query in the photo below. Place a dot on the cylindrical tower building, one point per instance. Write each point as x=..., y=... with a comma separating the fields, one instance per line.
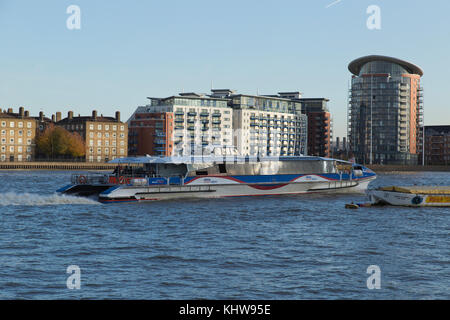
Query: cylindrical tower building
x=385, y=111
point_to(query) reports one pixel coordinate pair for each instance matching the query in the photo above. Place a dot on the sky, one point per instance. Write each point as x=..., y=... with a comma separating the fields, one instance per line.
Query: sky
x=126, y=51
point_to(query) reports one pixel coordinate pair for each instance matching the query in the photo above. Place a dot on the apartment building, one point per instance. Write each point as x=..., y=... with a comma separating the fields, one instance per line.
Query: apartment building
x=268, y=125
x=185, y=124
x=106, y=138
x=320, y=126
x=385, y=111
x=437, y=145
x=17, y=134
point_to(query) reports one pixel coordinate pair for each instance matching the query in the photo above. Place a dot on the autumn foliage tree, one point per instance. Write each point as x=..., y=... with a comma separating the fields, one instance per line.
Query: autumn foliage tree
x=57, y=142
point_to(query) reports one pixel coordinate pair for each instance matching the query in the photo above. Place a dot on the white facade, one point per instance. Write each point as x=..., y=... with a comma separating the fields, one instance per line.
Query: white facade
x=267, y=133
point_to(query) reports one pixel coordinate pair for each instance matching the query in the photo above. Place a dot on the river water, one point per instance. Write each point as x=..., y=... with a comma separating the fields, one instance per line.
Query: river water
x=278, y=247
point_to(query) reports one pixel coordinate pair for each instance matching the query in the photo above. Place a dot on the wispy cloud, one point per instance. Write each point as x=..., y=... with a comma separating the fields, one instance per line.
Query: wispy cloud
x=333, y=3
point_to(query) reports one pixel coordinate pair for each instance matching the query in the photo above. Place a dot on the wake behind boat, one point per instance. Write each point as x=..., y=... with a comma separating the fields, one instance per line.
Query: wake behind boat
x=161, y=178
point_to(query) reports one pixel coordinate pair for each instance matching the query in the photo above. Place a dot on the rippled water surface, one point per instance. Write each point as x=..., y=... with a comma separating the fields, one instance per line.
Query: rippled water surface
x=280, y=247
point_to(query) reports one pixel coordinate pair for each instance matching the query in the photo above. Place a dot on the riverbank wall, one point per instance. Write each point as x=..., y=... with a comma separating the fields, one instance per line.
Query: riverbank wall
x=56, y=166
x=396, y=168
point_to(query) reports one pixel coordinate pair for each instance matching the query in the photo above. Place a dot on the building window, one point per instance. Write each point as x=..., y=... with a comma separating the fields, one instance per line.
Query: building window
x=99, y=127
x=99, y=135
x=11, y=124
x=114, y=128
x=91, y=127
x=28, y=141
x=11, y=149
x=99, y=143
x=11, y=132
x=3, y=124
x=29, y=133
x=122, y=128
x=20, y=133
x=28, y=124
x=91, y=134
x=106, y=127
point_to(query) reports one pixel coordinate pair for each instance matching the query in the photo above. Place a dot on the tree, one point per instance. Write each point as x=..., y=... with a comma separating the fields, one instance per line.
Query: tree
x=57, y=142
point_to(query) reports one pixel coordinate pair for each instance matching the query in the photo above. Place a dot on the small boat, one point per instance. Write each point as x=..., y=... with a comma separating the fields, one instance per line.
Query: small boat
x=162, y=178
x=411, y=196
x=351, y=206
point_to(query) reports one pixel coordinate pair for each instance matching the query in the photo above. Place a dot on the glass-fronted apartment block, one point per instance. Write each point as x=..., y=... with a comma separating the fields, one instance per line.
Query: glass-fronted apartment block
x=268, y=126
x=221, y=123
x=385, y=111
x=187, y=124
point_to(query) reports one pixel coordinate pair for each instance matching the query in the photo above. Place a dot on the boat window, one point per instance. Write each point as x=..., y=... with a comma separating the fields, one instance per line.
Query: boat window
x=222, y=168
x=201, y=173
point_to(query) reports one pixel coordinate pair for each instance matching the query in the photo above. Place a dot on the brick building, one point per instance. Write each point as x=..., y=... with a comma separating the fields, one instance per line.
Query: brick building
x=17, y=134
x=437, y=145
x=106, y=138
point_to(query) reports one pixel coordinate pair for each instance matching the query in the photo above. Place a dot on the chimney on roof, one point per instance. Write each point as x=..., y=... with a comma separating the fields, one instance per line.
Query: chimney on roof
x=27, y=113
x=94, y=114
x=21, y=111
x=70, y=115
x=41, y=116
x=10, y=110
x=118, y=116
x=53, y=118
x=58, y=116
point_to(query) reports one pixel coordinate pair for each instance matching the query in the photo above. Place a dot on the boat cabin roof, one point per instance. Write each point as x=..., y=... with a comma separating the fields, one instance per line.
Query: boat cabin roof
x=215, y=159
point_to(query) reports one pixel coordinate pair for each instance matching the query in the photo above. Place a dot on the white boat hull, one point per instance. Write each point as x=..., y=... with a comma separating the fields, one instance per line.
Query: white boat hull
x=408, y=199
x=152, y=193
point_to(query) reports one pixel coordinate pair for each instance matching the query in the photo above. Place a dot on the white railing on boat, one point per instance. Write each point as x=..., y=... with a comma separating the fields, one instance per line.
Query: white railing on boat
x=90, y=178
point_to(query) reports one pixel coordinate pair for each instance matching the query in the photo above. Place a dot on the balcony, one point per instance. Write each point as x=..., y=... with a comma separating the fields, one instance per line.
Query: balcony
x=216, y=121
x=192, y=113
x=216, y=114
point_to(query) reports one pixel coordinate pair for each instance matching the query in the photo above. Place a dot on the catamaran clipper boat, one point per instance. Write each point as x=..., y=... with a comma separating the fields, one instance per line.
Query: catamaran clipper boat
x=161, y=178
